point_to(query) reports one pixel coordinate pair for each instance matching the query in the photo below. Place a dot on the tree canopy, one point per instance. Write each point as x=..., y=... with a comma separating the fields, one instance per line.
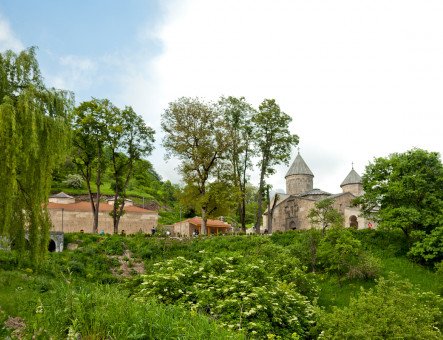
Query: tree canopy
x=237, y=114
x=195, y=134
x=34, y=135
x=273, y=141
x=405, y=190
x=324, y=215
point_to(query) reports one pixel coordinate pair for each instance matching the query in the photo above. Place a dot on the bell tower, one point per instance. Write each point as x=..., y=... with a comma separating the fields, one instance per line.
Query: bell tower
x=299, y=178
x=352, y=183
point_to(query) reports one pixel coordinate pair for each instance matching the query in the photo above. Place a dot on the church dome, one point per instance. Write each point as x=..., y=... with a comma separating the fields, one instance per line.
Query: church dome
x=299, y=167
x=352, y=178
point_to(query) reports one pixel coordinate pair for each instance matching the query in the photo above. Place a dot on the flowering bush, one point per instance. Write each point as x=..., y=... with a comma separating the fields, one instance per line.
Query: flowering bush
x=238, y=294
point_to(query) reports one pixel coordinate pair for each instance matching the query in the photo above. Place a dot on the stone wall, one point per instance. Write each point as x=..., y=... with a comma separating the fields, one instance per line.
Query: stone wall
x=297, y=184
x=183, y=228
x=293, y=212
x=75, y=221
x=355, y=189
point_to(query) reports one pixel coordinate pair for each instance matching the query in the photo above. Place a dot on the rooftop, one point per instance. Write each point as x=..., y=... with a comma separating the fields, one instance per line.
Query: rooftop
x=299, y=167
x=352, y=178
x=86, y=206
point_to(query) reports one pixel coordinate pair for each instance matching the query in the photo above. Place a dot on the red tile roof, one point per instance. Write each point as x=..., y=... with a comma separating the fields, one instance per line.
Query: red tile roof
x=209, y=223
x=86, y=206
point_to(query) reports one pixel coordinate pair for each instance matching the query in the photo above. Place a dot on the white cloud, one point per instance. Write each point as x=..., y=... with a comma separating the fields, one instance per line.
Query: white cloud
x=72, y=72
x=8, y=40
x=360, y=78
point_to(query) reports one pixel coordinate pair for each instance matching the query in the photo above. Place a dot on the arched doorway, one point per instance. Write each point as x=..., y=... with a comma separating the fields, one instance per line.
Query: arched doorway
x=292, y=225
x=51, y=246
x=353, y=223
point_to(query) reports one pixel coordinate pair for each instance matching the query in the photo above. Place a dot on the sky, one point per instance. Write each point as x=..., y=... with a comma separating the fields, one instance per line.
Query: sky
x=360, y=79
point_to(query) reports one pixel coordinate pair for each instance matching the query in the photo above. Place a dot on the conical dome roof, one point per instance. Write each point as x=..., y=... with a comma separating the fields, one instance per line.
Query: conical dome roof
x=299, y=167
x=352, y=178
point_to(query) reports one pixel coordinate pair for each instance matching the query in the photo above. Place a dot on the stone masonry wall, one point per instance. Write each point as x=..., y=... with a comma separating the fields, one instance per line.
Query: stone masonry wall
x=297, y=184
x=74, y=221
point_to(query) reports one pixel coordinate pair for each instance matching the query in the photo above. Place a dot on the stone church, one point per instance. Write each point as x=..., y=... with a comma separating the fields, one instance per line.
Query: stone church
x=291, y=209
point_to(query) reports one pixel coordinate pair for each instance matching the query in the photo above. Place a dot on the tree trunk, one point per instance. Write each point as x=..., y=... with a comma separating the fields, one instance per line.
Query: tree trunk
x=93, y=207
x=260, y=200
x=204, y=219
x=243, y=182
x=97, y=203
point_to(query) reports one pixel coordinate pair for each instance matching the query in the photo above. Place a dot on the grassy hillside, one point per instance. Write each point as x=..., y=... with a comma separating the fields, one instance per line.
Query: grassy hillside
x=214, y=288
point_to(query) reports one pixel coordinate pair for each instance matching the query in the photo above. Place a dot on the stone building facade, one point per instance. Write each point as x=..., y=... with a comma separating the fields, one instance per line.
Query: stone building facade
x=69, y=216
x=291, y=209
x=192, y=226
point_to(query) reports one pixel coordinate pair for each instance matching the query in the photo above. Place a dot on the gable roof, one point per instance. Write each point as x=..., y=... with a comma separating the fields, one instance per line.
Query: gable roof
x=299, y=167
x=209, y=223
x=352, y=178
x=61, y=195
x=315, y=192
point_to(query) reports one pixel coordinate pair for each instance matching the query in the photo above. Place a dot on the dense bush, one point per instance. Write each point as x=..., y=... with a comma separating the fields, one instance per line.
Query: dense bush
x=393, y=309
x=74, y=181
x=429, y=247
x=342, y=254
x=241, y=295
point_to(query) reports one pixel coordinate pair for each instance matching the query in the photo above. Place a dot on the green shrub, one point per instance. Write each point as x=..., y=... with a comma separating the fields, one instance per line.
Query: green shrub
x=341, y=254
x=429, y=248
x=74, y=181
x=241, y=295
x=92, y=311
x=393, y=309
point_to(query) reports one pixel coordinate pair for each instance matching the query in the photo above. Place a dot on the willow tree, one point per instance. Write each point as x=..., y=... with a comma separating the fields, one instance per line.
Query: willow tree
x=34, y=132
x=196, y=135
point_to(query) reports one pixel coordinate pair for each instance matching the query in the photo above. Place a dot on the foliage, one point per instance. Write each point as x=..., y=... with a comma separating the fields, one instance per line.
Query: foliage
x=273, y=141
x=196, y=135
x=106, y=135
x=66, y=308
x=237, y=114
x=392, y=309
x=407, y=188
x=77, y=291
x=34, y=134
x=74, y=181
x=341, y=254
x=219, y=199
x=240, y=295
x=129, y=139
x=324, y=215
x=429, y=248
x=89, y=142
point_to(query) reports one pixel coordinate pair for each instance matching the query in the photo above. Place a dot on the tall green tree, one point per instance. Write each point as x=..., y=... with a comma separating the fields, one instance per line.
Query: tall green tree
x=196, y=135
x=273, y=142
x=129, y=140
x=237, y=114
x=405, y=190
x=89, y=143
x=34, y=135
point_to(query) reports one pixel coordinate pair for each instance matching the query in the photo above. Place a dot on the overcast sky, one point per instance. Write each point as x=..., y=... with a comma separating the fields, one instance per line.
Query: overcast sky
x=361, y=79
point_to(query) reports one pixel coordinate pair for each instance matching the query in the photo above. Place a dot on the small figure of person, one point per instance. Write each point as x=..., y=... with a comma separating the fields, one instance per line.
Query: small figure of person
x=168, y=233
x=153, y=230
